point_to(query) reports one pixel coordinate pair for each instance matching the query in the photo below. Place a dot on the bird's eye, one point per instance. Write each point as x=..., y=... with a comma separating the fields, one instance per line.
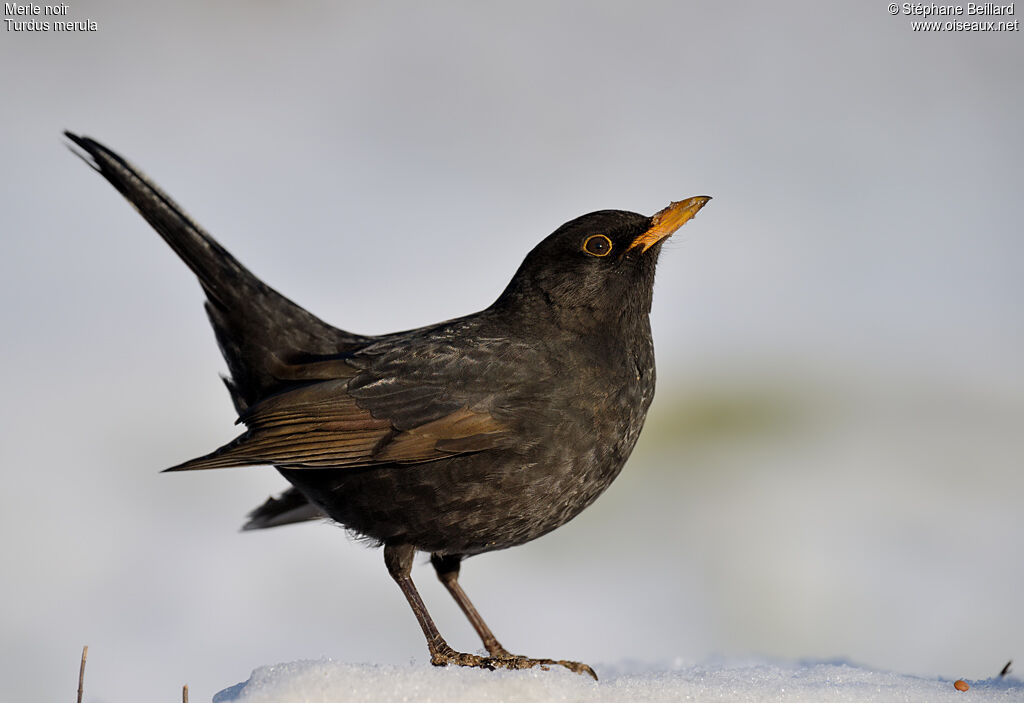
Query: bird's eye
x=597, y=245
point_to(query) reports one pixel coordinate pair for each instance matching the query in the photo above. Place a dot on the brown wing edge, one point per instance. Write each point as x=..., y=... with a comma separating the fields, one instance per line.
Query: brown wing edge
x=337, y=433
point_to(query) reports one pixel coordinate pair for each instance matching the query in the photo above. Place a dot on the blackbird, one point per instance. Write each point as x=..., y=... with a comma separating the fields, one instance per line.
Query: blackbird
x=462, y=437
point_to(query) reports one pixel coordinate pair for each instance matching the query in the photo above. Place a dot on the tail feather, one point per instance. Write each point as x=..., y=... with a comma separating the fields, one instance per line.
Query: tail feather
x=287, y=508
x=256, y=327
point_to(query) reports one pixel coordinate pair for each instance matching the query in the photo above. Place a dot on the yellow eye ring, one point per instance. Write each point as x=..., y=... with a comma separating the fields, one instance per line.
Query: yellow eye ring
x=597, y=245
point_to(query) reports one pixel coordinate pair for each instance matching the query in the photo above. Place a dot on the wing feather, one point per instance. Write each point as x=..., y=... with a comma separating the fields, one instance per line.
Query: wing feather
x=322, y=426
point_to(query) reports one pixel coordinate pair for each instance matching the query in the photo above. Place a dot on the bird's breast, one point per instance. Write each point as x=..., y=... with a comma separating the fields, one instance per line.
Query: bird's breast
x=583, y=426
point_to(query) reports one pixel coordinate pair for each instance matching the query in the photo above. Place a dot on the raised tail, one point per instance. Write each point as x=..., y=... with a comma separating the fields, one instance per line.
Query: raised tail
x=257, y=327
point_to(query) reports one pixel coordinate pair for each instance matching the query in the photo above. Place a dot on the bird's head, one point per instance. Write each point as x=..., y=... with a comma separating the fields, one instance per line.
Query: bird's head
x=598, y=267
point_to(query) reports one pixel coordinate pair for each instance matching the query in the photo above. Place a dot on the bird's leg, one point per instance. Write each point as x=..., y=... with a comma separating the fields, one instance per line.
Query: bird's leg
x=447, y=568
x=398, y=558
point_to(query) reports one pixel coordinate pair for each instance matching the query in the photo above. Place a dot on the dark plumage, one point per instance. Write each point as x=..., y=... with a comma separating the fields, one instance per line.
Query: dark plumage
x=470, y=435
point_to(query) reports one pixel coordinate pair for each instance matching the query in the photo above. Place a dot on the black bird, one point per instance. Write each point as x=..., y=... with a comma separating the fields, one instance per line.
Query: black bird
x=462, y=437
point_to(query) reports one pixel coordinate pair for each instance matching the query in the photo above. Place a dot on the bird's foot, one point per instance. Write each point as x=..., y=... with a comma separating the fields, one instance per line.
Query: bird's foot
x=516, y=661
x=504, y=660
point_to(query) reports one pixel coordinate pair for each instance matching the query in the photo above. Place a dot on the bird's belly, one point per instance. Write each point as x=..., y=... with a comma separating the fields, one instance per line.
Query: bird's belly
x=470, y=503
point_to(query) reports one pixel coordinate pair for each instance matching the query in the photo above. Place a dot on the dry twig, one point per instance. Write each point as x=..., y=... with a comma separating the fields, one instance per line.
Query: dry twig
x=81, y=672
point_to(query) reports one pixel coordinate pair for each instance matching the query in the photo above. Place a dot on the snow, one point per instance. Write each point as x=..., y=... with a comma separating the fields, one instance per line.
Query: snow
x=748, y=681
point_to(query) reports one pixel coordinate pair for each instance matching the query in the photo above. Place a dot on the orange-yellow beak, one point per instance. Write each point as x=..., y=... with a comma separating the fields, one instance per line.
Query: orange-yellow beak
x=664, y=223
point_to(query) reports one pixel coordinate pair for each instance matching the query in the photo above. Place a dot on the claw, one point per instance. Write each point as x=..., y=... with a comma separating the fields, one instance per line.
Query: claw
x=444, y=657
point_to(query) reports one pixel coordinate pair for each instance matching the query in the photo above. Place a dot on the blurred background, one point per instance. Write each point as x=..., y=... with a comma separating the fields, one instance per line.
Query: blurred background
x=831, y=469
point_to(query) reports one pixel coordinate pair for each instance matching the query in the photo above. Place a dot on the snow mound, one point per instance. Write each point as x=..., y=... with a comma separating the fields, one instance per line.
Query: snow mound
x=326, y=680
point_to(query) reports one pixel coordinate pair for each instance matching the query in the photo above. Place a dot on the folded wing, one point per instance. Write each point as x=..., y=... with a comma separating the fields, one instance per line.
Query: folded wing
x=322, y=426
